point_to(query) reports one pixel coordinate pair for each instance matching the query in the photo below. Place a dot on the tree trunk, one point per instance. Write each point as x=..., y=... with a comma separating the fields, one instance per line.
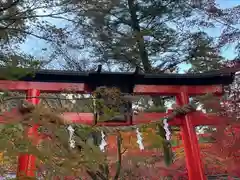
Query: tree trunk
x=141, y=45
x=139, y=37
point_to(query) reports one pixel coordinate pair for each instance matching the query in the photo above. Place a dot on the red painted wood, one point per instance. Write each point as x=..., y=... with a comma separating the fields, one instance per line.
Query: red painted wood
x=174, y=90
x=43, y=86
x=146, y=117
x=83, y=118
x=81, y=88
x=88, y=118
x=27, y=162
x=192, y=152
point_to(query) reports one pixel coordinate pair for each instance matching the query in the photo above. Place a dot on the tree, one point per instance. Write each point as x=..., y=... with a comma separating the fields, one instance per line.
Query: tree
x=135, y=33
x=228, y=20
x=152, y=35
x=21, y=19
x=29, y=17
x=203, y=55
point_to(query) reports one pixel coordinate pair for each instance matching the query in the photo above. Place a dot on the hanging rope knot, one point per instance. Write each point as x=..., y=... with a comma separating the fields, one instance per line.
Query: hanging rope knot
x=25, y=107
x=184, y=109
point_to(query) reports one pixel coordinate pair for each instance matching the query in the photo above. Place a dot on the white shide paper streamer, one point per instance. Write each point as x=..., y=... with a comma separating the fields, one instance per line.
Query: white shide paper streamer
x=103, y=142
x=168, y=133
x=71, y=140
x=139, y=139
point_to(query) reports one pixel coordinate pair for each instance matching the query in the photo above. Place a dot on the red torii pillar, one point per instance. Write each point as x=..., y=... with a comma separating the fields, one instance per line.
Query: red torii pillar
x=190, y=141
x=27, y=162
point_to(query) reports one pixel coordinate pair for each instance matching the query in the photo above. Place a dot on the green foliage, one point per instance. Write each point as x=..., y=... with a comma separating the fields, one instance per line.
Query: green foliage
x=12, y=66
x=13, y=21
x=203, y=55
x=24, y=19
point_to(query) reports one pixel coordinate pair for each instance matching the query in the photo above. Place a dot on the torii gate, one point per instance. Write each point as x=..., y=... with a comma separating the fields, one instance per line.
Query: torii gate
x=182, y=86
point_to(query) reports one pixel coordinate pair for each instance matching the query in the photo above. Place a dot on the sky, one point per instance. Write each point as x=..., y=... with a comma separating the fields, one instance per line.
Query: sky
x=34, y=46
x=227, y=52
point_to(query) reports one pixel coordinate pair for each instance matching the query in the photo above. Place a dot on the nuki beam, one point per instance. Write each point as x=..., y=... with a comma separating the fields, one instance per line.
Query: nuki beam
x=88, y=119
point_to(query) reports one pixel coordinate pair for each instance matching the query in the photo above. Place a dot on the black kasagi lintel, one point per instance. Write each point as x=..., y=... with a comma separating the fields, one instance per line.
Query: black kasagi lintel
x=125, y=81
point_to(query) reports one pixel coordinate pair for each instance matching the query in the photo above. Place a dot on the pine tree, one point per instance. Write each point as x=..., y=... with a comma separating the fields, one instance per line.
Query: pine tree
x=132, y=33
x=203, y=55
